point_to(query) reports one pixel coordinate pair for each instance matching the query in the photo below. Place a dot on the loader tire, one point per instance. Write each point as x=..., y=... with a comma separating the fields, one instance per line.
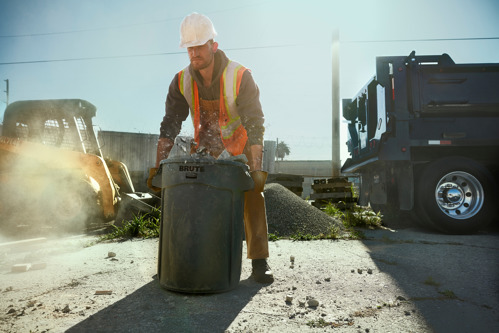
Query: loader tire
x=76, y=209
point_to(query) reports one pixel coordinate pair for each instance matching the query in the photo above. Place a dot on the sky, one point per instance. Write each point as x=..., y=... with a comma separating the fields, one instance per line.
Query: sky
x=121, y=55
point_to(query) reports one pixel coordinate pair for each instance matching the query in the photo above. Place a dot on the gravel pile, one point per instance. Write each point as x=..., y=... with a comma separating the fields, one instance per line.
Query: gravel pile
x=288, y=214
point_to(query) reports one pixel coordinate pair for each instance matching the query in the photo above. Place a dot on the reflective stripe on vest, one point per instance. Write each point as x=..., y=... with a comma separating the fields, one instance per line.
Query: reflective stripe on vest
x=187, y=86
x=233, y=134
x=231, y=78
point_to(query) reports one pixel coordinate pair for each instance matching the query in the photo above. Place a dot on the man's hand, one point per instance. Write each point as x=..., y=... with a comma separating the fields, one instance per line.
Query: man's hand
x=165, y=145
x=152, y=173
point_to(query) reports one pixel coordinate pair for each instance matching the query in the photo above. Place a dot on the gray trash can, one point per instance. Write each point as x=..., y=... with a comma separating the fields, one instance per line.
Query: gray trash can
x=200, y=247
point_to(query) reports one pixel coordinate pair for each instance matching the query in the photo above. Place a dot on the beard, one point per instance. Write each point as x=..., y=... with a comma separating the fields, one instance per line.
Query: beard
x=199, y=63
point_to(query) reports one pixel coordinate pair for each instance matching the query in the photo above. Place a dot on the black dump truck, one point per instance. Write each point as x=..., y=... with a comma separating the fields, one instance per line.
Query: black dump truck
x=423, y=136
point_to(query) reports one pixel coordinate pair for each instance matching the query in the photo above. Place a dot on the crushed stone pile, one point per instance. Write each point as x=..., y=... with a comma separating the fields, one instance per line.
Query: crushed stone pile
x=288, y=214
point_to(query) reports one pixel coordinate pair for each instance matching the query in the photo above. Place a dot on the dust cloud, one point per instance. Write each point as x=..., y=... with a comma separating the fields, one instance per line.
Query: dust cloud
x=40, y=194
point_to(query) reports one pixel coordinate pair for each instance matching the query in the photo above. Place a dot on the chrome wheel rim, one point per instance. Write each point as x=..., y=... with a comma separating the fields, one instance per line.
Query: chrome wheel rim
x=459, y=195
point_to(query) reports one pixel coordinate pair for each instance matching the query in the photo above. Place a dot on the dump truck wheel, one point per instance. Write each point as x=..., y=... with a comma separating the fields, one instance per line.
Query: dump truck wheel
x=455, y=195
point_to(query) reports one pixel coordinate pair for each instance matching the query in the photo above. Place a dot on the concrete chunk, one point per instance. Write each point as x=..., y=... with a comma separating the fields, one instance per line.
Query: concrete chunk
x=20, y=268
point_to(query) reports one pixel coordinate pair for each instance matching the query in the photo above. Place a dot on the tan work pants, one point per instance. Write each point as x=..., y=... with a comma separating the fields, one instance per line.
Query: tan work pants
x=255, y=217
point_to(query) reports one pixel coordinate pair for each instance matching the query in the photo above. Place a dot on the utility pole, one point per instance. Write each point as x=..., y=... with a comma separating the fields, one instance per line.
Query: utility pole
x=277, y=157
x=7, y=91
x=336, y=104
x=336, y=188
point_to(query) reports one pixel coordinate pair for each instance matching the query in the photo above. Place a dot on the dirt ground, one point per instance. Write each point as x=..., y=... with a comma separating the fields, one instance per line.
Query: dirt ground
x=393, y=281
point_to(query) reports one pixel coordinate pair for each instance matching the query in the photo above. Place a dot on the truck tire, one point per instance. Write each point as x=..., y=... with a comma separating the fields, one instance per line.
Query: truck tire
x=455, y=195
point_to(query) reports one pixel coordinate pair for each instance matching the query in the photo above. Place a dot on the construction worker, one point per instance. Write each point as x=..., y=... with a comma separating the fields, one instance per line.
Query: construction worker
x=224, y=105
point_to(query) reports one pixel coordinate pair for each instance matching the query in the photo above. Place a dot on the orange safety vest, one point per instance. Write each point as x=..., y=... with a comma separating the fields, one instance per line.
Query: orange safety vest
x=232, y=132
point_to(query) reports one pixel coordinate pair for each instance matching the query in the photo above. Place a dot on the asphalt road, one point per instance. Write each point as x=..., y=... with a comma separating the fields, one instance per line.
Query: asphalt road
x=407, y=280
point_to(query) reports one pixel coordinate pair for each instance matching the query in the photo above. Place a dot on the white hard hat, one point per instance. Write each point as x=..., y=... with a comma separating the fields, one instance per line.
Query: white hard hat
x=196, y=29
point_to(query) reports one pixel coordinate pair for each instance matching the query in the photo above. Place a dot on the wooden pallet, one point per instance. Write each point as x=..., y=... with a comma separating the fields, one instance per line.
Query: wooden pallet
x=294, y=183
x=332, y=190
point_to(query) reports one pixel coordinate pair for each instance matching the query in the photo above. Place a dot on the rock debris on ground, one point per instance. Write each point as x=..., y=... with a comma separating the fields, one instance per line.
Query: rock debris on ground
x=288, y=214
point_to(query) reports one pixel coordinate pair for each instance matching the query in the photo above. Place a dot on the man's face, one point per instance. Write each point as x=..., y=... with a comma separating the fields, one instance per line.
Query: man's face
x=202, y=56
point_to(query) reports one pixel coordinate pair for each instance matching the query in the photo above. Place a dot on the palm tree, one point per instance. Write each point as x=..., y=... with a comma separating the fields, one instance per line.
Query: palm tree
x=282, y=150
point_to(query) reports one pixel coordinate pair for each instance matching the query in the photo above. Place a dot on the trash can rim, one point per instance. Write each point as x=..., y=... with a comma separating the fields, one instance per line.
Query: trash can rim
x=182, y=160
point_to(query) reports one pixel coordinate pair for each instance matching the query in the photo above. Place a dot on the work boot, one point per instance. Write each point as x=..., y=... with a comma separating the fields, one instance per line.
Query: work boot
x=261, y=271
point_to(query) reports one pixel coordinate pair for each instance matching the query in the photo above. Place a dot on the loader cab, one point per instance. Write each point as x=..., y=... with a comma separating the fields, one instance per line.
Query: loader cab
x=62, y=123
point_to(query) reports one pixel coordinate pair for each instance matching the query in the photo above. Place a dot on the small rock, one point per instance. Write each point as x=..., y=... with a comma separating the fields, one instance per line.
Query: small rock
x=111, y=254
x=369, y=271
x=292, y=258
x=289, y=298
x=313, y=303
x=11, y=310
x=66, y=309
x=327, y=279
x=20, y=268
x=359, y=270
x=401, y=298
x=407, y=313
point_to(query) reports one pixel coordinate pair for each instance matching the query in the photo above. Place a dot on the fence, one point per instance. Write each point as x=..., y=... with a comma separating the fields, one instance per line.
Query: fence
x=136, y=150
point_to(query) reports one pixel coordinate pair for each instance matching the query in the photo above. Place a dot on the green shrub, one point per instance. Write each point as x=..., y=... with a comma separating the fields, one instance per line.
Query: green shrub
x=273, y=237
x=354, y=216
x=142, y=226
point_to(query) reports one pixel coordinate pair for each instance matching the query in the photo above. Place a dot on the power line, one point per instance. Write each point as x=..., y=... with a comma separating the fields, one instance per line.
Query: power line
x=88, y=30
x=126, y=25
x=243, y=48
x=87, y=58
x=128, y=56
x=418, y=40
